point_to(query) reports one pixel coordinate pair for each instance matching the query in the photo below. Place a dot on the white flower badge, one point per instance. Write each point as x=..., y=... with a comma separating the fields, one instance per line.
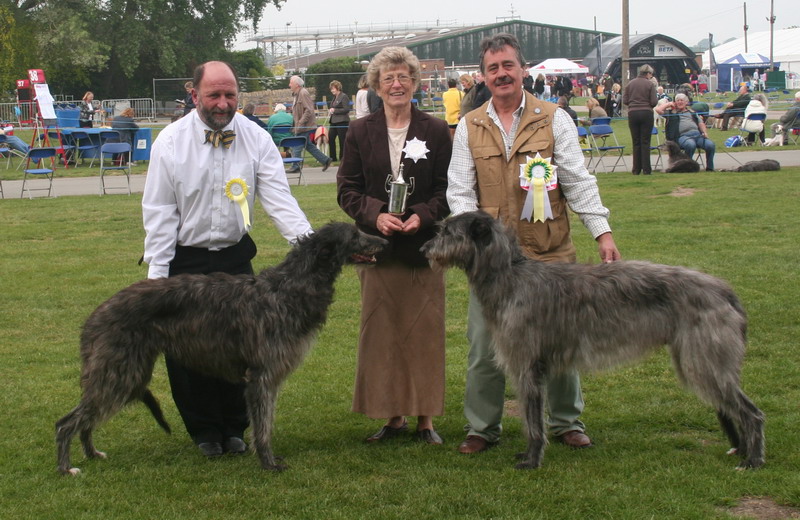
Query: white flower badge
x=416, y=149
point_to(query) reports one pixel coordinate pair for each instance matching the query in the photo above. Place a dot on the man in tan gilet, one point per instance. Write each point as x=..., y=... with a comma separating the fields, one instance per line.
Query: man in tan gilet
x=492, y=146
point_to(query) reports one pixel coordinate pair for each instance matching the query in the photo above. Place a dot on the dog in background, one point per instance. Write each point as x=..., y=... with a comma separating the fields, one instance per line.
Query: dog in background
x=777, y=138
x=764, y=165
x=678, y=161
x=253, y=329
x=658, y=119
x=546, y=318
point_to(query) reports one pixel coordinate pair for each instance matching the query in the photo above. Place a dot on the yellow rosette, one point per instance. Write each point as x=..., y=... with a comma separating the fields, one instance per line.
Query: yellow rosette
x=534, y=176
x=236, y=190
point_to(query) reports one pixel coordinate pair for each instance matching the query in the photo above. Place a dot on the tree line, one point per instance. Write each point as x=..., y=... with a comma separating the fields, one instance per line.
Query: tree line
x=116, y=47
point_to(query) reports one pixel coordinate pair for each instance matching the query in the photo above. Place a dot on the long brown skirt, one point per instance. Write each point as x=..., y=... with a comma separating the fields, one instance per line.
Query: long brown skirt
x=400, y=367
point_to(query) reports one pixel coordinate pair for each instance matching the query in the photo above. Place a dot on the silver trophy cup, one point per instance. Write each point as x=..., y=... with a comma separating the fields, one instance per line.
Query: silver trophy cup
x=398, y=190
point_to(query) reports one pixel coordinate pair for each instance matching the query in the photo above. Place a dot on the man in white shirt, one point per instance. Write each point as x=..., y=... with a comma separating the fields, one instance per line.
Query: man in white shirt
x=490, y=146
x=206, y=170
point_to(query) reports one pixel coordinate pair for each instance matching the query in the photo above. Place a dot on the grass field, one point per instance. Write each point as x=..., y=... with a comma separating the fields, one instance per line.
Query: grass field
x=658, y=454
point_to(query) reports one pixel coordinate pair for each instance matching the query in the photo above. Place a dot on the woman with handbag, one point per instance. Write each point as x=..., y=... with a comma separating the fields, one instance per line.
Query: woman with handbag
x=340, y=119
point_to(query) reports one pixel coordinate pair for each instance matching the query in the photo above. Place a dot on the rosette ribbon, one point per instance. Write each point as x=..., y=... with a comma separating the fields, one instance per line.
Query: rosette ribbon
x=236, y=190
x=534, y=176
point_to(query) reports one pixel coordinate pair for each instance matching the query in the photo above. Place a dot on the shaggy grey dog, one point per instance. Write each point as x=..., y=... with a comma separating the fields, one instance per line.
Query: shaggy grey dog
x=678, y=161
x=255, y=329
x=547, y=317
x=764, y=165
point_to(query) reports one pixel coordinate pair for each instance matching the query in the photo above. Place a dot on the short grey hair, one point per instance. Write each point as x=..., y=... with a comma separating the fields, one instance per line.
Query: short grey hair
x=681, y=95
x=297, y=81
x=645, y=69
x=390, y=58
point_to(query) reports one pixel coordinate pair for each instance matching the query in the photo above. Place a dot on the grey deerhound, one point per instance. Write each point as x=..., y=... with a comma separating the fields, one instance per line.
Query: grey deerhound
x=256, y=329
x=548, y=317
x=678, y=161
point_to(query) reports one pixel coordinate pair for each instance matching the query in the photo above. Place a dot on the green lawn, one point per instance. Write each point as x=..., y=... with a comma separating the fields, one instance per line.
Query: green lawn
x=658, y=454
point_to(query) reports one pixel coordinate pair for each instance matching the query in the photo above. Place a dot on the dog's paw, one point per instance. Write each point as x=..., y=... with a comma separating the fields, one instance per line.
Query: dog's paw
x=98, y=455
x=750, y=464
x=732, y=451
x=526, y=465
x=74, y=472
x=275, y=467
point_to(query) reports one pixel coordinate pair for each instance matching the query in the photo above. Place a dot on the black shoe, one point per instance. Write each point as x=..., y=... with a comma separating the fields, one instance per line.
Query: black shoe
x=210, y=449
x=234, y=445
x=429, y=436
x=327, y=165
x=387, y=432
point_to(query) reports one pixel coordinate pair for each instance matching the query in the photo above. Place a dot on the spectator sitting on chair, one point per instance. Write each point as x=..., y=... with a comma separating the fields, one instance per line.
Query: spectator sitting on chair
x=279, y=118
x=736, y=107
x=15, y=142
x=686, y=128
x=124, y=124
x=757, y=105
x=249, y=112
x=789, y=120
x=563, y=103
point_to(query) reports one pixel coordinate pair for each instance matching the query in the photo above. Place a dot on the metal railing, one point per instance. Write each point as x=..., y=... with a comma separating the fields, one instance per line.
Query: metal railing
x=143, y=108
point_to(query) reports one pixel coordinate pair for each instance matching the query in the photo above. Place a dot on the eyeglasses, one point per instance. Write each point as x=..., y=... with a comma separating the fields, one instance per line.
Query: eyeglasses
x=404, y=80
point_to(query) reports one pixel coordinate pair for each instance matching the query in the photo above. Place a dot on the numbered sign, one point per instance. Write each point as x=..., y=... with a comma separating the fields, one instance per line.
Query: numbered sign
x=36, y=76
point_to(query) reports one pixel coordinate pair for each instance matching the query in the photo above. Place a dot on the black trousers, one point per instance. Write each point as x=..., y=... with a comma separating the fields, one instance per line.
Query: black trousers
x=212, y=409
x=337, y=131
x=640, y=123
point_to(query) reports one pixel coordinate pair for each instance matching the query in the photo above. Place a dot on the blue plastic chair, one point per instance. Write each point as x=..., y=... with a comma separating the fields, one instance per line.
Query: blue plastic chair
x=656, y=147
x=744, y=133
x=83, y=144
x=293, y=142
x=38, y=156
x=605, y=143
x=586, y=147
x=107, y=163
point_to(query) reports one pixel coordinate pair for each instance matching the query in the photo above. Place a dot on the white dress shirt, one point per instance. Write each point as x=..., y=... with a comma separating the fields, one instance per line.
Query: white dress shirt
x=184, y=201
x=577, y=184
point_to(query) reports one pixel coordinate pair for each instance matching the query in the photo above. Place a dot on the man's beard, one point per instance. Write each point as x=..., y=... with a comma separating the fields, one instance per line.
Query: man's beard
x=210, y=117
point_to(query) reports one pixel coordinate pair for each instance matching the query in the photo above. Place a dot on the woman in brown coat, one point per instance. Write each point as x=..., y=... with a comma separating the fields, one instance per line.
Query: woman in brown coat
x=400, y=368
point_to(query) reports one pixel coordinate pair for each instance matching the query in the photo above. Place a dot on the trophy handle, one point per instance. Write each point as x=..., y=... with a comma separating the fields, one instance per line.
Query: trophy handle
x=411, y=185
x=388, y=184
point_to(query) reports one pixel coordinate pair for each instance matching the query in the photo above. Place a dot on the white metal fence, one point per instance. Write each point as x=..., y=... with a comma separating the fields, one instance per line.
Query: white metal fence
x=143, y=108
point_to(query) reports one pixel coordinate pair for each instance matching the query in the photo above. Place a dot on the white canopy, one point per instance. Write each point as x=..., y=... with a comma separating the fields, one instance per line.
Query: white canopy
x=556, y=66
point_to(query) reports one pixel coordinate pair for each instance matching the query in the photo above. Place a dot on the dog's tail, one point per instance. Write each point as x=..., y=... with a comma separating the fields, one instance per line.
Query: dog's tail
x=152, y=403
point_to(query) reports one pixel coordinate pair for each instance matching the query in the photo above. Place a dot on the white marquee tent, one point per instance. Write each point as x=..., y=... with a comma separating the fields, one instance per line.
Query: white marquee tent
x=786, y=48
x=558, y=66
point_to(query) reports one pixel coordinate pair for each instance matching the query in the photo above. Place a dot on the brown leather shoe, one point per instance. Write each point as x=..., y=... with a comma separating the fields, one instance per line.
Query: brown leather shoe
x=387, y=432
x=575, y=439
x=474, y=444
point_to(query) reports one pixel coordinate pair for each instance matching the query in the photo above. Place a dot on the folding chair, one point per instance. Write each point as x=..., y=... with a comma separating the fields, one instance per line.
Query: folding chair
x=583, y=137
x=83, y=144
x=656, y=148
x=745, y=133
x=64, y=148
x=280, y=132
x=292, y=142
x=38, y=157
x=792, y=131
x=6, y=149
x=605, y=143
x=601, y=121
x=111, y=149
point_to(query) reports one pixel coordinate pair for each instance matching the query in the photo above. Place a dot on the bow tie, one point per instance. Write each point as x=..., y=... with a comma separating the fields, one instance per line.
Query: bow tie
x=215, y=137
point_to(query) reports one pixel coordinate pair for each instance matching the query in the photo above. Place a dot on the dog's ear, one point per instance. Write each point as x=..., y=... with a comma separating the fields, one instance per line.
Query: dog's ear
x=480, y=231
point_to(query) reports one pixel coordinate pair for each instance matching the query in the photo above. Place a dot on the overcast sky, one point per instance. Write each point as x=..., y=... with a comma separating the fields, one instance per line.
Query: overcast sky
x=687, y=21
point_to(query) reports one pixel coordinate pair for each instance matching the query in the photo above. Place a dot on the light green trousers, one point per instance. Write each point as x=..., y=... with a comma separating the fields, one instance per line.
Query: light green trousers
x=485, y=387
